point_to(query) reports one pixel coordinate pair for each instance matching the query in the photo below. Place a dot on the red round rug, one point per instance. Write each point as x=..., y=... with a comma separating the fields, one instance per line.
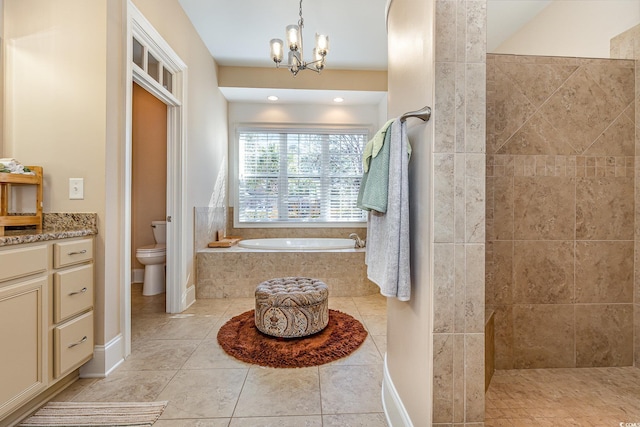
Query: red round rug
x=240, y=338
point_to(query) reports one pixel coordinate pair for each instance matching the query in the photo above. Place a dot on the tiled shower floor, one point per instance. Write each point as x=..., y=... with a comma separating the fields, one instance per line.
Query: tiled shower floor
x=177, y=358
x=599, y=397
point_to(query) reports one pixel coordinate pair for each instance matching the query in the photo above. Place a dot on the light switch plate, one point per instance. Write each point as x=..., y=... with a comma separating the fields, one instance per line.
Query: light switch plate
x=76, y=188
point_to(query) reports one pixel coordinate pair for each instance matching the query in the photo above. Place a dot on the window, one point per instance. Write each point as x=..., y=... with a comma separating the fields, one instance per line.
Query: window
x=299, y=176
x=153, y=66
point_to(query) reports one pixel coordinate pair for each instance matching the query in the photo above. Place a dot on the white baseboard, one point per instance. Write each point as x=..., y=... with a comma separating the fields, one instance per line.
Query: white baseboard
x=137, y=275
x=394, y=410
x=106, y=358
x=190, y=296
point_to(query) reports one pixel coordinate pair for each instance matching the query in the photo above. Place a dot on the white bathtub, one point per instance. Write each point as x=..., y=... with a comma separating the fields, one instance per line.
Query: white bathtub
x=297, y=244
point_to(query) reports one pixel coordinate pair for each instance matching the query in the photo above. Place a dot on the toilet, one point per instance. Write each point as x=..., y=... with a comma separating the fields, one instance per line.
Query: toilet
x=153, y=258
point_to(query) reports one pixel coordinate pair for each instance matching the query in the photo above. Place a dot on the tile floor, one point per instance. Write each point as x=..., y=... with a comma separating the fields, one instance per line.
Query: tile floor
x=598, y=397
x=177, y=358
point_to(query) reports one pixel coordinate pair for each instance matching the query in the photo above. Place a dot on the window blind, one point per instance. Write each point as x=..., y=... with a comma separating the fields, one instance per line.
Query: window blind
x=299, y=175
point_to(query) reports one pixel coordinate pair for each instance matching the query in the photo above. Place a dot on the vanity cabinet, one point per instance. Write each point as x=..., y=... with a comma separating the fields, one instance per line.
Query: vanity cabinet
x=72, y=321
x=46, y=316
x=24, y=286
x=22, y=331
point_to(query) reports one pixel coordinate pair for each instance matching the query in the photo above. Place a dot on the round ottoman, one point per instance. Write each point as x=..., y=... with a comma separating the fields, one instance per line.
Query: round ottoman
x=291, y=307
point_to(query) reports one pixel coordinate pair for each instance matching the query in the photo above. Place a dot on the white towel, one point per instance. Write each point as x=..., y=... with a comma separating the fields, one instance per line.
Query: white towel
x=388, y=256
x=8, y=163
x=12, y=166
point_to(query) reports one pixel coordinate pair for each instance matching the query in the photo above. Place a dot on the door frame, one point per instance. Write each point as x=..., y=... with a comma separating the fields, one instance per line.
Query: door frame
x=139, y=26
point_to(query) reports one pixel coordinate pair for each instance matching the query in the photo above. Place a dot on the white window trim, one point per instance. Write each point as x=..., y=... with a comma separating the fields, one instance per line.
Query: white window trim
x=233, y=181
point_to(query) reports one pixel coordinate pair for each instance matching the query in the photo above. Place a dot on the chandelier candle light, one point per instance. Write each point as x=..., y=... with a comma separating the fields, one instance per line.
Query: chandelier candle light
x=296, y=58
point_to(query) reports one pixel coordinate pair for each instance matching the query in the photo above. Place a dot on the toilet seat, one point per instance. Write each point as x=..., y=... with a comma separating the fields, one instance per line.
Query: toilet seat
x=156, y=249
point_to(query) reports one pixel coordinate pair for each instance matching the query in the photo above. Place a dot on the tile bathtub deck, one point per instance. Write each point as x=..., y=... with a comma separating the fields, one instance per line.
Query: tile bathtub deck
x=177, y=358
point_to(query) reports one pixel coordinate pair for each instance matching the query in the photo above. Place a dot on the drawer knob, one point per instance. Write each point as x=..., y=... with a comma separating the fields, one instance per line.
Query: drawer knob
x=84, y=251
x=81, y=291
x=84, y=339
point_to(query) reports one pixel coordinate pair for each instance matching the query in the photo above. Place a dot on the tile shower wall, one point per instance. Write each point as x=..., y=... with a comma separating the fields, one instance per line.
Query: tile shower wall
x=459, y=215
x=627, y=46
x=560, y=210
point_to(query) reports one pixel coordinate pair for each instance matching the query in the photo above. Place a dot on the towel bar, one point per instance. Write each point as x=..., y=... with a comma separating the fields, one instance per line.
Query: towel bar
x=423, y=114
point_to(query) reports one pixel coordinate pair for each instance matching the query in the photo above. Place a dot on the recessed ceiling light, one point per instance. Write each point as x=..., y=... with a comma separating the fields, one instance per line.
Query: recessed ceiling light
x=272, y=98
x=338, y=99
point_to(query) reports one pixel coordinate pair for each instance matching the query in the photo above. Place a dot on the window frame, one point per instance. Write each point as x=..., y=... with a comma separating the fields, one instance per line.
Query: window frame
x=286, y=128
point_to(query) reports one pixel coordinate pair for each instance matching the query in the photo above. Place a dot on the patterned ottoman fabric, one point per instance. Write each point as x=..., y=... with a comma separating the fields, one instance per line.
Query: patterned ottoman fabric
x=292, y=307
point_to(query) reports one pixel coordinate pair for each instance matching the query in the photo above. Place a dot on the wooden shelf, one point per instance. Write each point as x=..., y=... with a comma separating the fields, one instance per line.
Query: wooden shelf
x=7, y=180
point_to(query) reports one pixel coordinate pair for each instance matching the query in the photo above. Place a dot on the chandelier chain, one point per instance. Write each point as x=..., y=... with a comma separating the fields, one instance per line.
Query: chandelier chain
x=301, y=21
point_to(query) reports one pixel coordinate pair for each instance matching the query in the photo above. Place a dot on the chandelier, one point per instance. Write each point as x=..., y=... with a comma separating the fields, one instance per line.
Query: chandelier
x=296, y=61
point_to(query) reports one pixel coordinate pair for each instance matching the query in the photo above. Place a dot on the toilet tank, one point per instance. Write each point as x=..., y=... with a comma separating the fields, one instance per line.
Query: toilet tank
x=159, y=231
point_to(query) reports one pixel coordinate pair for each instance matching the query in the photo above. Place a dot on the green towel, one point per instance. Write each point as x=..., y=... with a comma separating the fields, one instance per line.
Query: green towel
x=374, y=187
x=374, y=146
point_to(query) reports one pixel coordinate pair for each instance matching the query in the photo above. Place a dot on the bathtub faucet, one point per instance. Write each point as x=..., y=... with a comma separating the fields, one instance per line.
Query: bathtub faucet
x=359, y=242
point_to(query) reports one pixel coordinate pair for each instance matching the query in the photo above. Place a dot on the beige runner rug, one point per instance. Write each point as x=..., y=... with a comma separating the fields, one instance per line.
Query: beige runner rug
x=90, y=414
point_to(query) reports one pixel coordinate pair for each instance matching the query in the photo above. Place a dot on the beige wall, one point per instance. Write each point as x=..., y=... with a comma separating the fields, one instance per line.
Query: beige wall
x=409, y=324
x=65, y=101
x=2, y=60
x=149, y=168
x=560, y=216
x=55, y=107
x=574, y=28
x=409, y=348
x=435, y=343
x=277, y=78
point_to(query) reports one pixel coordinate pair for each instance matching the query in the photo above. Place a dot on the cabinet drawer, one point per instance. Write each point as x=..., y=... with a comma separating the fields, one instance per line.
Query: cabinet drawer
x=22, y=262
x=69, y=253
x=73, y=343
x=72, y=292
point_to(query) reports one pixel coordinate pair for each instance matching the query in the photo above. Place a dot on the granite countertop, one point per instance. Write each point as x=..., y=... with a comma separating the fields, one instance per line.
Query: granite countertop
x=55, y=226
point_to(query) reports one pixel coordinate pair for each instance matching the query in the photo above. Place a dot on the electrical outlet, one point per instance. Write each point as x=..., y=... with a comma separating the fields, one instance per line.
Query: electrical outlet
x=76, y=188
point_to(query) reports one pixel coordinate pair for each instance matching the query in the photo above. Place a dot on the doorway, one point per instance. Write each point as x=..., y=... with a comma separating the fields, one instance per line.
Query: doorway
x=158, y=70
x=148, y=171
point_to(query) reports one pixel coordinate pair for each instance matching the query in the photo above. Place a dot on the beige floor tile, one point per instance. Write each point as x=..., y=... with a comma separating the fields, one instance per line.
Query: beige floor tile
x=302, y=421
x=343, y=304
x=381, y=343
x=371, y=304
x=184, y=327
x=376, y=324
x=212, y=307
x=238, y=306
x=126, y=386
x=74, y=389
x=354, y=420
x=141, y=304
x=207, y=393
x=278, y=392
x=209, y=355
x=203, y=422
x=177, y=358
x=159, y=355
x=563, y=397
x=351, y=389
x=143, y=328
x=366, y=354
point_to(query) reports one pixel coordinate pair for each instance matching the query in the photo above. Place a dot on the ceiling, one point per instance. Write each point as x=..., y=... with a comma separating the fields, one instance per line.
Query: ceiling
x=237, y=33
